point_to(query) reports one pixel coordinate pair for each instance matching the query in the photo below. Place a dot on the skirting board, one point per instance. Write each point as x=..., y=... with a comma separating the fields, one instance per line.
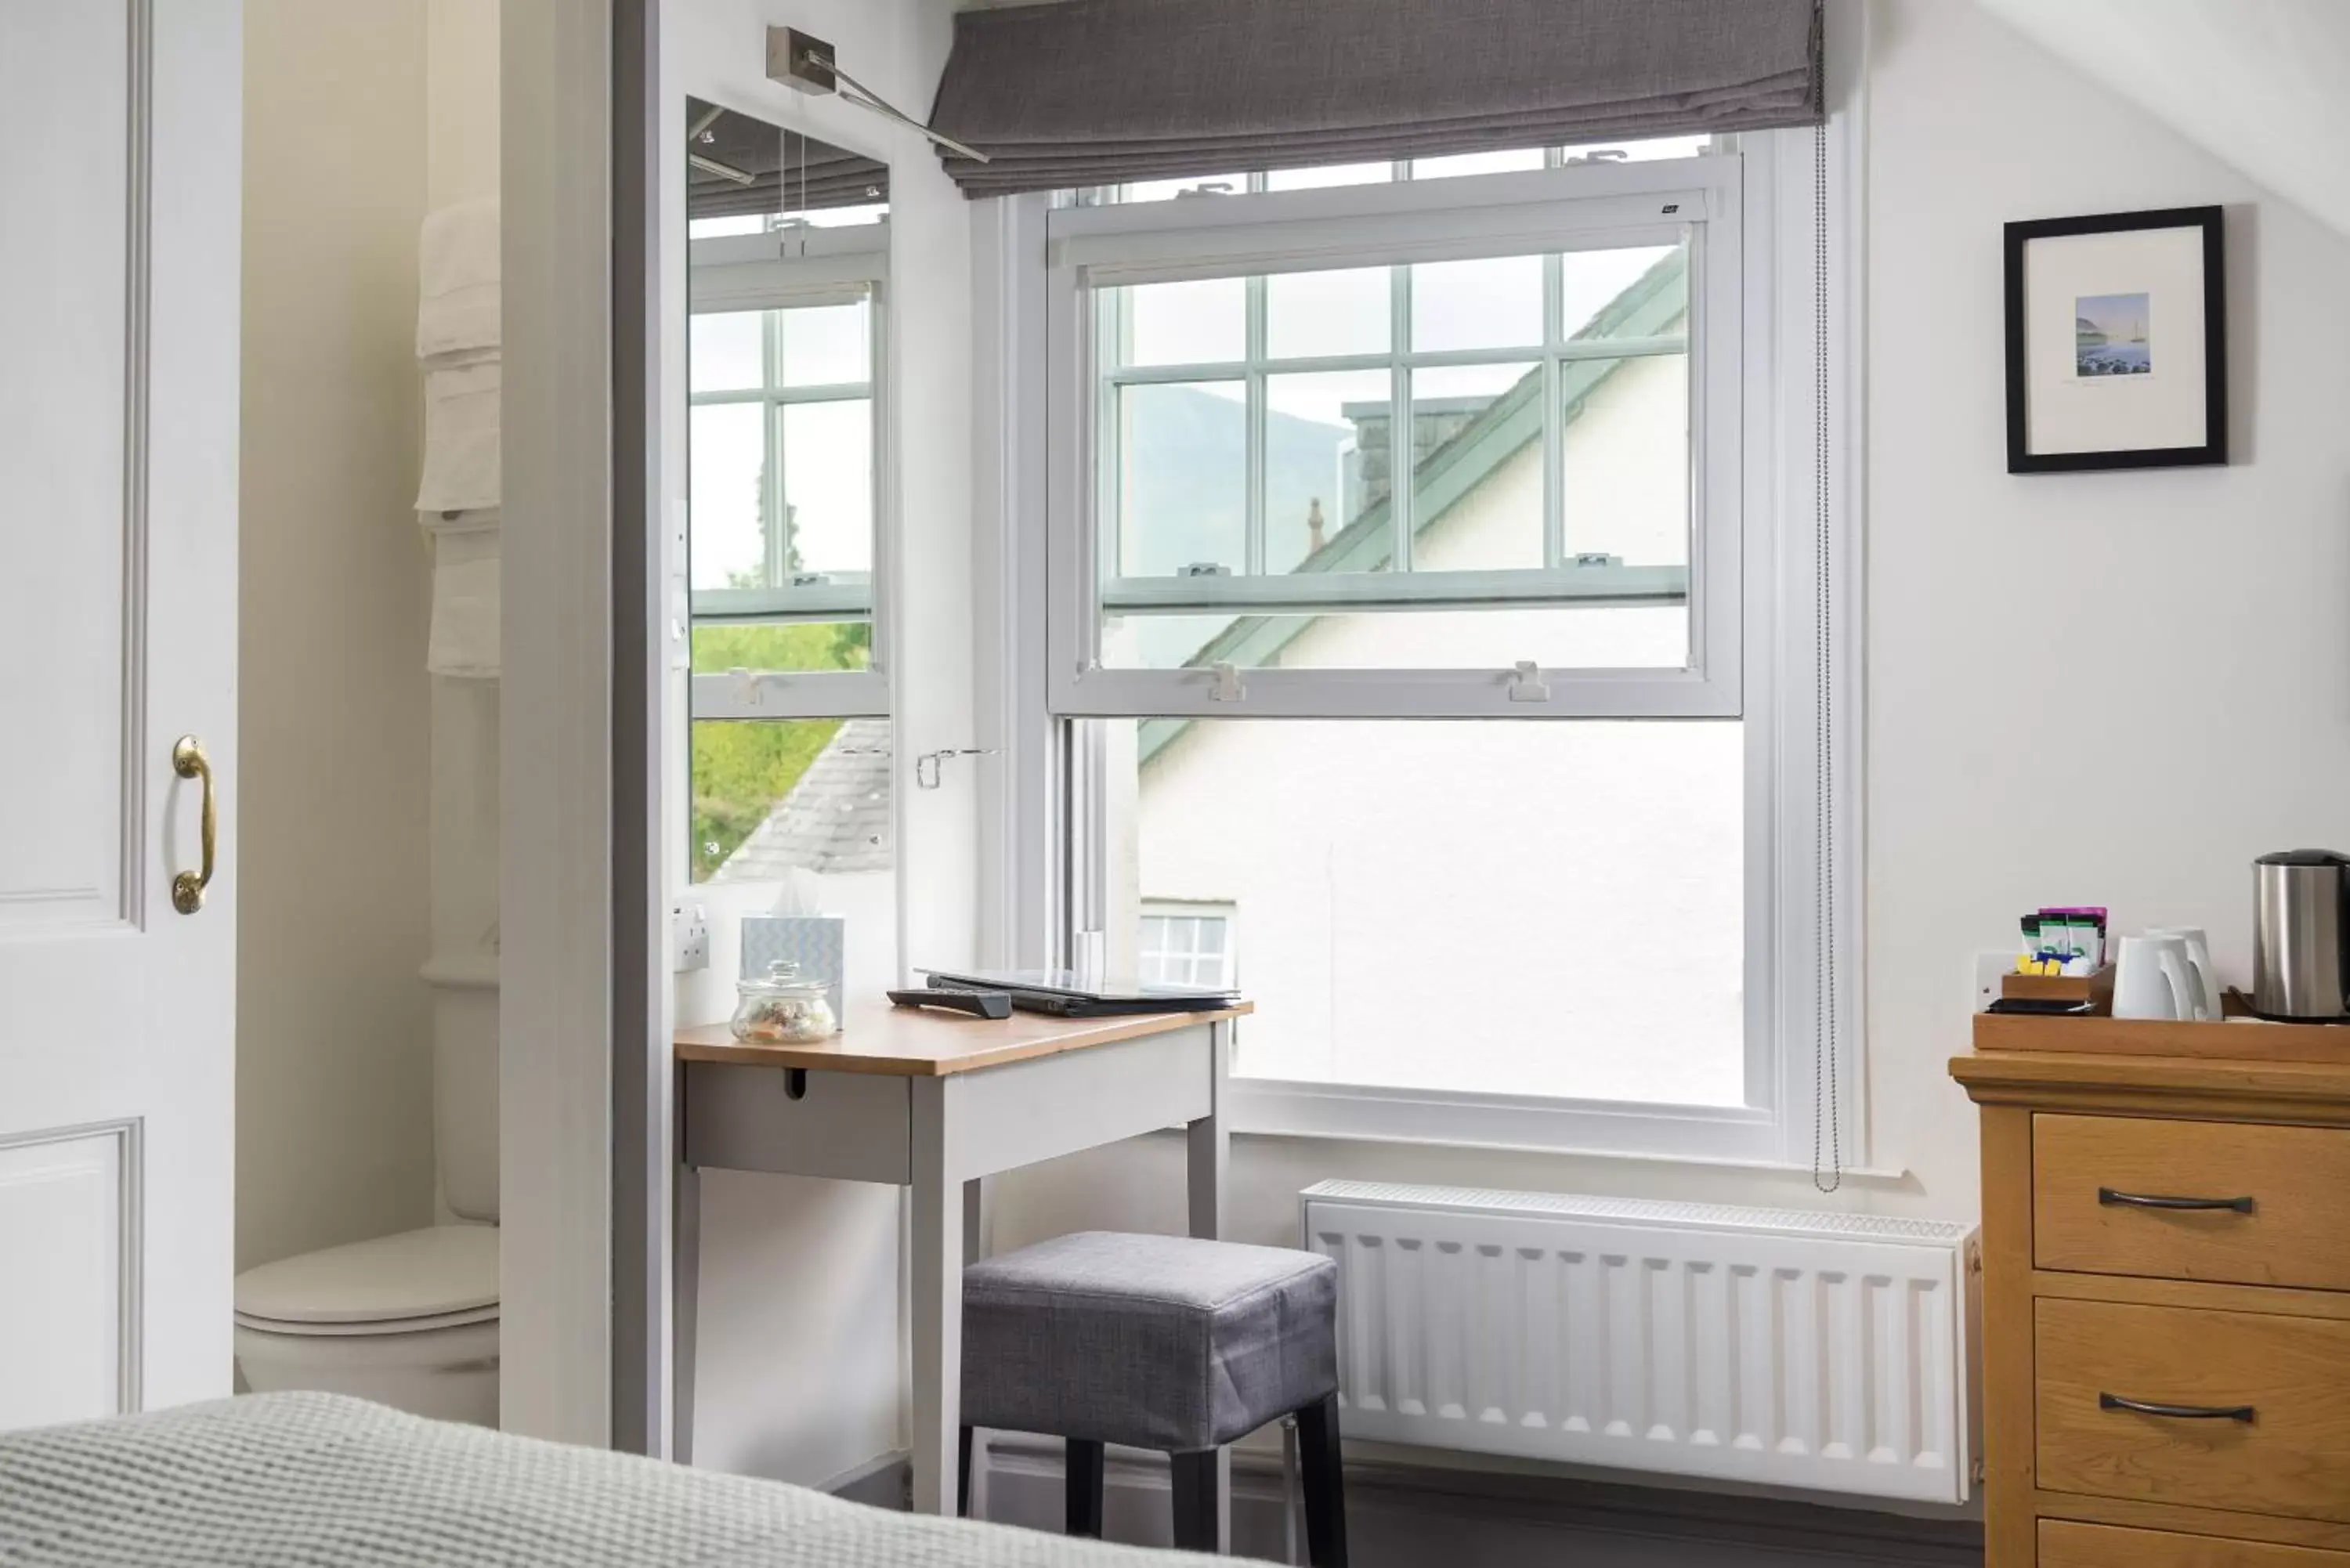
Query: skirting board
x=1402, y=1515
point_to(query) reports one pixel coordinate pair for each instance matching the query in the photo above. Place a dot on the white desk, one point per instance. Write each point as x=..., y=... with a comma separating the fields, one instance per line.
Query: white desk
x=936, y=1102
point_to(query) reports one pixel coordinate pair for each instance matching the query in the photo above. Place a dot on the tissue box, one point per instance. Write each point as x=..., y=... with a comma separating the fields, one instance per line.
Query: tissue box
x=818, y=944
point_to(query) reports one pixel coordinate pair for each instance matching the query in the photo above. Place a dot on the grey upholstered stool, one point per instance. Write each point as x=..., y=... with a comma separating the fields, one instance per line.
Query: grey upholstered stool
x=1158, y=1341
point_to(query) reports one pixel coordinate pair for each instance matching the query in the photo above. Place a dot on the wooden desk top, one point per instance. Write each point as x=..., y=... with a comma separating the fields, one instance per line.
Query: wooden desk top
x=916, y=1043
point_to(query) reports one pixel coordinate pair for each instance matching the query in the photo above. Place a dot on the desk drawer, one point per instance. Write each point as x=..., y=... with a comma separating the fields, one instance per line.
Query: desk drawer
x=2292, y=1184
x=851, y=1126
x=2291, y=1457
x=2065, y=1544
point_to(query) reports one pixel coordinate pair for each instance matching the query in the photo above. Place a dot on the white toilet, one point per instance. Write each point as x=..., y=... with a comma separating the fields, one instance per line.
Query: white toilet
x=409, y=1320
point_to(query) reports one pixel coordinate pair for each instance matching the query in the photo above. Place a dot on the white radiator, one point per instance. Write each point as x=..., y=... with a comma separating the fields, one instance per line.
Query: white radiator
x=1825, y=1351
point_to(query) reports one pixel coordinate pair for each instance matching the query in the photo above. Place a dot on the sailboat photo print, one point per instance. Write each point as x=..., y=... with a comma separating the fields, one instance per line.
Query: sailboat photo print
x=2109, y=335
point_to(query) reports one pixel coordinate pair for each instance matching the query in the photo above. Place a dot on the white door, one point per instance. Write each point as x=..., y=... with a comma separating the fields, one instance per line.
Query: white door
x=118, y=189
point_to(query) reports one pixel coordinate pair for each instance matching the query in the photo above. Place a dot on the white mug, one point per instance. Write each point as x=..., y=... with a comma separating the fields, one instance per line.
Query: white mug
x=2151, y=979
x=2198, y=964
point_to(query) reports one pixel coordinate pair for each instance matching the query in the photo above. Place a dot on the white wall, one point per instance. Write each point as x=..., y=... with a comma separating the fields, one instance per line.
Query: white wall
x=461, y=101
x=799, y=1351
x=2200, y=708
x=334, y=1087
x=2258, y=82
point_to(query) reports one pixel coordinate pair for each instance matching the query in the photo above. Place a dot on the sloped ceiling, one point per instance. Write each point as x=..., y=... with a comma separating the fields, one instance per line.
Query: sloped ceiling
x=2263, y=85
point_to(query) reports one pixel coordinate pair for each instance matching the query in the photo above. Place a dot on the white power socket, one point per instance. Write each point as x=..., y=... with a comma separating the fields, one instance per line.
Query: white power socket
x=1988, y=967
x=689, y=938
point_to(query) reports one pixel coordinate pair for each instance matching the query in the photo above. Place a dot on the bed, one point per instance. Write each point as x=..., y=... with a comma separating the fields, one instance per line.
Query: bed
x=288, y=1479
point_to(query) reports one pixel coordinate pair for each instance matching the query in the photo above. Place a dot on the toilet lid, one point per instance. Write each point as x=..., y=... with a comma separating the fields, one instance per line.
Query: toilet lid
x=429, y=1274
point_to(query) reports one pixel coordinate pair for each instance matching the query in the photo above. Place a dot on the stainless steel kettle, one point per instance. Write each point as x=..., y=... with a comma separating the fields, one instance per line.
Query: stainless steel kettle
x=2299, y=966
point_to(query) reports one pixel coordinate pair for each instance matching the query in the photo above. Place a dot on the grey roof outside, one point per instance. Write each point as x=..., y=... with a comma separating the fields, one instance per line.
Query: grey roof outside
x=836, y=819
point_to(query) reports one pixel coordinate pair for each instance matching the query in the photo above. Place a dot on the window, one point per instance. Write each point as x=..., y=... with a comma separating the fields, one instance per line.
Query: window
x=781, y=468
x=1429, y=568
x=1185, y=944
x=1490, y=422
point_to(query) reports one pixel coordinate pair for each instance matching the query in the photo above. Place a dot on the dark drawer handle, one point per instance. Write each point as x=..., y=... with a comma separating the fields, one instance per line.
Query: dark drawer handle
x=2178, y=1412
x=2155, y=1201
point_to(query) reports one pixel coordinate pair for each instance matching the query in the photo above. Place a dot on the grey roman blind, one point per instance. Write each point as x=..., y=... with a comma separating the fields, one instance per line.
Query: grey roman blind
x=1096, y=92
x=787, y=172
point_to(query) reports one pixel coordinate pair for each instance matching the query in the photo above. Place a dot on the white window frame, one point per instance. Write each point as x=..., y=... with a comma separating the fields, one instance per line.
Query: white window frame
x=1221, y=910
x=1589, y=206
x=1772, y=661
x=787, y=268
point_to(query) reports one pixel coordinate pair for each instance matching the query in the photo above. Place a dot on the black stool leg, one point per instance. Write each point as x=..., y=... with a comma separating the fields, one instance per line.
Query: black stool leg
x=1197, y=1509
x=962, y=1474
x=1082, y=1500
x=1325, y=1487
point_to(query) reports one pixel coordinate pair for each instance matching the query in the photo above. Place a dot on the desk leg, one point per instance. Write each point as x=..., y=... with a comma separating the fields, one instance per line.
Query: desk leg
x=936, y=1280
x=1207, y=1154
x=978, y=1241
x=685, y=1284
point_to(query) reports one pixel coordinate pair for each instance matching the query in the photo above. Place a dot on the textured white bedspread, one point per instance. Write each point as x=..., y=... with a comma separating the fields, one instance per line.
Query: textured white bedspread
x=273, y=1481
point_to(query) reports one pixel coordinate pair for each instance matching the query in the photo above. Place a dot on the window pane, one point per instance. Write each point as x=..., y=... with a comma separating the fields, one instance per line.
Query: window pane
x=828, y=485
x=1173, y=190
x=795, y=646
x=1641, y=151
x=1493, y=303
x=1325, y=459
x=737, y=224
x=1192, y=323
x=1380, y=859
x=1626, y=451
x=1477, y=462
x=727, y=465
x=1180, y=453
x=774, y=797
x=1502, y=162
x=845, y=217
x=1634, y=292
x=722, y=352
x=1311, y=314
x=826, y=345
x=1556, y=637
x=1329, y=174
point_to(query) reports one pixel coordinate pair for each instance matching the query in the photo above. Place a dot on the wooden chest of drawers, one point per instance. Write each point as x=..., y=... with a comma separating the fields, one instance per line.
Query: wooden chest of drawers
x=2166, y=1311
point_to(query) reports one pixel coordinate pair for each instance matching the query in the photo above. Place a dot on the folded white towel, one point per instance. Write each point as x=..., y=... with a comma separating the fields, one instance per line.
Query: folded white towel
x=457, y=279
x=461, y=470
x=465, y=584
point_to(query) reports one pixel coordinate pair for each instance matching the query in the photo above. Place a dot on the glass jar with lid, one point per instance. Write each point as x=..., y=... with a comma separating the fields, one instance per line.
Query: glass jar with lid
x=783, y=1006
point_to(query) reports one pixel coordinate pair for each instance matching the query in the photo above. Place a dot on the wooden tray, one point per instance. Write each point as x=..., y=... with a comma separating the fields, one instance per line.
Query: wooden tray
x=2237, y=1037
x=2097, y=988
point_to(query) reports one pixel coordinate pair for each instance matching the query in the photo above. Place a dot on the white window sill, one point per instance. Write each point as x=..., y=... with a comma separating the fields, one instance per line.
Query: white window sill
x=1729, y=1137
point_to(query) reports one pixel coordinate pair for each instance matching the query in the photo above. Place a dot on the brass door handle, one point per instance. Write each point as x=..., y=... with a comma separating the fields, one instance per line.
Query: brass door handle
x=188, y=761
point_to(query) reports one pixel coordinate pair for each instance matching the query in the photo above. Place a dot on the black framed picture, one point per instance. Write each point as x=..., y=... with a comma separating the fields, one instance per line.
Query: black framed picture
x=2117, y=342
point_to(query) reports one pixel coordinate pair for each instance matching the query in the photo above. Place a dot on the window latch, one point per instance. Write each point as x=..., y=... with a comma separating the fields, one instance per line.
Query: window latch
x=929, y=766
x=1228, y=687
x=1527, y=683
